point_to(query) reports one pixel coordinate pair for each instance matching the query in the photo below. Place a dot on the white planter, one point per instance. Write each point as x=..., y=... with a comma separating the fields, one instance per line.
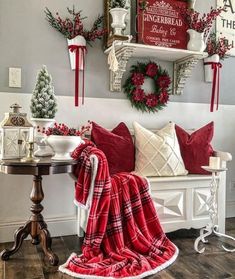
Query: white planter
x=63, y=146
x=43, y=150
x=118, y=20
x=78, y=41
x=207, y=68
x=196, y=41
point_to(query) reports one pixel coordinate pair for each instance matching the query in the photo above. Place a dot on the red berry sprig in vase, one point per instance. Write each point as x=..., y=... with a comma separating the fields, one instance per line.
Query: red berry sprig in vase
x=199, y=26
x=64, y=140
x=217, y=49
x=63, y=130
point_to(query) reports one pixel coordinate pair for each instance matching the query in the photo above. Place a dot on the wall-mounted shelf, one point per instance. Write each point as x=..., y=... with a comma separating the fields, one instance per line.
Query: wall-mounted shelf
x=184, y=61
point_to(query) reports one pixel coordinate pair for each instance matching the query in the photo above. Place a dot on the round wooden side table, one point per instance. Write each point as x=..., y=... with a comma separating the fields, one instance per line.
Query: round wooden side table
x=36, y=227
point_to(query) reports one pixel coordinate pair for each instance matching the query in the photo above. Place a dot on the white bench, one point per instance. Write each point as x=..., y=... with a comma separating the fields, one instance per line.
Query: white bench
x=181, y=201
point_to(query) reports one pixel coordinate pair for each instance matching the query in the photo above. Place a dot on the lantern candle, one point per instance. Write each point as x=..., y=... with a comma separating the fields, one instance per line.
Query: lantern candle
x=214, y=162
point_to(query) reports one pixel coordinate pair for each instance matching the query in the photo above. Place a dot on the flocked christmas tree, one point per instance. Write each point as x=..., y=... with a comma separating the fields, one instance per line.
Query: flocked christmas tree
x=43, y=102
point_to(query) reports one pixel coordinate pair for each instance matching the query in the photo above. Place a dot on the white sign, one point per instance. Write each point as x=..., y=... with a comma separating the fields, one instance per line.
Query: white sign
x=225, y=23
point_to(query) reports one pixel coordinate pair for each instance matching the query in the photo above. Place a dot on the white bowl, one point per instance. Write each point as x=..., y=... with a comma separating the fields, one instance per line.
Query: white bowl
x=63, y=146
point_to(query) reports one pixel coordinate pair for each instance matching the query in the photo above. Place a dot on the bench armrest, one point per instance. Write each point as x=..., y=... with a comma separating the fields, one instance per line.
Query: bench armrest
x=224, y=156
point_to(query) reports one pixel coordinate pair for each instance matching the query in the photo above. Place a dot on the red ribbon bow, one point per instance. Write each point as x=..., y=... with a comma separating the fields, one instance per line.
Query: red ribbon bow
x=215, y=66
x=76, y=49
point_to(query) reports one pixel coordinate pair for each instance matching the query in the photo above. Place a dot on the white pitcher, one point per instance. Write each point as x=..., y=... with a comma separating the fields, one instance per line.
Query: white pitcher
x=196, y=41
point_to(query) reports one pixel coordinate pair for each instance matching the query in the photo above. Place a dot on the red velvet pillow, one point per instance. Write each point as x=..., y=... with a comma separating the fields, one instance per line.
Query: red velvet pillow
x=196, y=148
x=117, y=146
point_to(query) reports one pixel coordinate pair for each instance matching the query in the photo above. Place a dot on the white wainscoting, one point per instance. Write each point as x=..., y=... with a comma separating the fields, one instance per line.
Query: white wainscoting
x=59, y=209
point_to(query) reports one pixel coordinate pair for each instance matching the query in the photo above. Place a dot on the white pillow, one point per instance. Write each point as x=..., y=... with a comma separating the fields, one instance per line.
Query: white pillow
x=158, y=154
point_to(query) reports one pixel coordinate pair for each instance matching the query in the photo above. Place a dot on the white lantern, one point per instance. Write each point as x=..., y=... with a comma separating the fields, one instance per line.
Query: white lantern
x=15, y=132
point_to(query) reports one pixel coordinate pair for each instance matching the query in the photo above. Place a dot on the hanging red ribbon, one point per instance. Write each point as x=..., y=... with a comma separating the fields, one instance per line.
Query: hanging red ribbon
x=215, y=66
x=77, y=49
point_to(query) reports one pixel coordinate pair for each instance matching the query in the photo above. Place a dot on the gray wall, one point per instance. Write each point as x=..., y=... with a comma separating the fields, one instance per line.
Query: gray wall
x=27, y=41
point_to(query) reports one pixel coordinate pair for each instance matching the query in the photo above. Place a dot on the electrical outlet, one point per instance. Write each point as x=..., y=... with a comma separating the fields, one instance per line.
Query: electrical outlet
x=15, y=77
x=232, y=186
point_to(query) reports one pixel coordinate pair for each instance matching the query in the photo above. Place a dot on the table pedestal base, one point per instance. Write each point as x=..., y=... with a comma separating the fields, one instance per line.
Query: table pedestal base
x=36, y=227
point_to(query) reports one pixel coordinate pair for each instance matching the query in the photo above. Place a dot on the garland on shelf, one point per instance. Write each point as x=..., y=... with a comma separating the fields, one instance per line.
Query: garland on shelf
x=151, y=101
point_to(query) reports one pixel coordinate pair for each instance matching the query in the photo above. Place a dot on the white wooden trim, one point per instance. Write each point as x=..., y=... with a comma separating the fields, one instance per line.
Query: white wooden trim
x=58, y=226
x=230, y=209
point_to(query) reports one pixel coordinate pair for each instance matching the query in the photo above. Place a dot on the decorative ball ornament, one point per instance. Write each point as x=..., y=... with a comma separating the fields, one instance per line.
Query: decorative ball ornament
x=147, y=101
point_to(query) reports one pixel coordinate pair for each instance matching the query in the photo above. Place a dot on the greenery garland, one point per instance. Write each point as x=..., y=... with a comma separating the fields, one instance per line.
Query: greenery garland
x=147, y=102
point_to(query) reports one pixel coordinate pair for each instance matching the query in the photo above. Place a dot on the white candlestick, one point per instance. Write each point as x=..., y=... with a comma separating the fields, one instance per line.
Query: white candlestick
x=214, y=162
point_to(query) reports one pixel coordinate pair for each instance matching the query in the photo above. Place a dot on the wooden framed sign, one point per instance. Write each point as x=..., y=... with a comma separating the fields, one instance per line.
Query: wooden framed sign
x=161, y=24
x=225, y=23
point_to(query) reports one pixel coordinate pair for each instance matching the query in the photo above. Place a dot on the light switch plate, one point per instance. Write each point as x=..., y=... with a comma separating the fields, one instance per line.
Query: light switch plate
x=15, y=77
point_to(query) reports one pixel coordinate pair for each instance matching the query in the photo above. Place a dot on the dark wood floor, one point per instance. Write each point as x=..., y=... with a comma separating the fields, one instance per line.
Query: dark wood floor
x=29, y=262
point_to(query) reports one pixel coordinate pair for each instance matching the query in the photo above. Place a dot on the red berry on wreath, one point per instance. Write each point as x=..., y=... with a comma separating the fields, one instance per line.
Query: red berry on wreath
x=164, y=97
x=164, y=81
x=151, y=100
x=151, y=69
x=138, y=95
x=138, y=79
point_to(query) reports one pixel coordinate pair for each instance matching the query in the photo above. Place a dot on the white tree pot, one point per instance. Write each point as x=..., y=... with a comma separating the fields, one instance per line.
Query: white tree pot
x=118, y=19
x=43, y=149
x=63, y=146
x=208, y=71
x=78, y=41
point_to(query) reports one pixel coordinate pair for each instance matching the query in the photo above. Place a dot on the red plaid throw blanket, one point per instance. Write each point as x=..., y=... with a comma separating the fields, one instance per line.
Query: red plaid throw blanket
x=124, y=238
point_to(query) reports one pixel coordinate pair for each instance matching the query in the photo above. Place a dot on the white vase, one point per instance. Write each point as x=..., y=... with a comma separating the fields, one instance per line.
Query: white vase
x=196, y=41
x=118, y=20
x=77, y=41
x=43, y=149
x=207, y=68
x=63, y=146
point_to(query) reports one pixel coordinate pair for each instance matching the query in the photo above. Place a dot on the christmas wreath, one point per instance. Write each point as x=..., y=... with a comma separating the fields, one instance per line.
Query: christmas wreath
x=149, y=102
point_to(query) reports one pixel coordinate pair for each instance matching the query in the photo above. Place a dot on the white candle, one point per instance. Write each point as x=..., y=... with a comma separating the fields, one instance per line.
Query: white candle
x=214, y=162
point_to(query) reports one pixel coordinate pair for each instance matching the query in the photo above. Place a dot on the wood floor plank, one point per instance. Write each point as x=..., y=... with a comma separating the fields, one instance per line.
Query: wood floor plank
x=2, y=264
x=25, y=264
x=58, y=275
x=58, y=247
x=73, y=243
x=230, y=224
x=2, y=268
x=215, y=263
x=161, y=275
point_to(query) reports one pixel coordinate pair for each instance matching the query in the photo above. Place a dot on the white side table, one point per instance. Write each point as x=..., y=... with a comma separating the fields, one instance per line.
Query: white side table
x=213, y=212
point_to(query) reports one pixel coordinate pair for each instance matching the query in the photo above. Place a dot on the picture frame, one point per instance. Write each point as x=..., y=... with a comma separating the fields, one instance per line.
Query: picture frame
x=225, y=23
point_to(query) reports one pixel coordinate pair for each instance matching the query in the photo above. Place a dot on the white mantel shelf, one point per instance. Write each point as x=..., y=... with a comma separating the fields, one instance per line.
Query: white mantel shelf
x=184, y=61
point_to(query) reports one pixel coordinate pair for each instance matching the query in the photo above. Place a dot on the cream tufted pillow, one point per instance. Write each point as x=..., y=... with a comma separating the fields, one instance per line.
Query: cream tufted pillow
x=158, y=154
